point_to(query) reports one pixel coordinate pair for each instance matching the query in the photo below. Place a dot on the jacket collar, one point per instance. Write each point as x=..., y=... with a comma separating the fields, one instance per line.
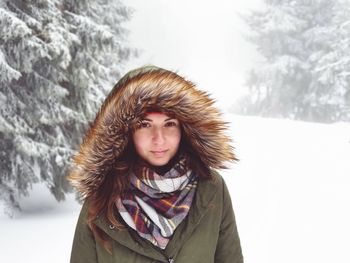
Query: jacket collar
x=205, y=193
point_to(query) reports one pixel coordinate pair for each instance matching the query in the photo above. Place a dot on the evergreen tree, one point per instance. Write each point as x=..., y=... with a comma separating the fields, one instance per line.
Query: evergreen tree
x=304, y=46
x=58, y=59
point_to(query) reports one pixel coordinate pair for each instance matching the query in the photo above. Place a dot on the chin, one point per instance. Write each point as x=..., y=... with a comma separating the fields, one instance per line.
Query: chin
x=158, y=162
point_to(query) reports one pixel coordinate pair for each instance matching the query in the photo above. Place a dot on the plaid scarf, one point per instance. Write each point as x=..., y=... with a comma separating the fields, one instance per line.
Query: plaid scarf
x=157, y=204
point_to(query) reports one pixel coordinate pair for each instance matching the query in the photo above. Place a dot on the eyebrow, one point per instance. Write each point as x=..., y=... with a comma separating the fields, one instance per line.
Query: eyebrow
x=168, y=119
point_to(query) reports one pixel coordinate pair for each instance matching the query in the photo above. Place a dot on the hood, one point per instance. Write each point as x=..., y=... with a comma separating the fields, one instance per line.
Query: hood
x=138, y=91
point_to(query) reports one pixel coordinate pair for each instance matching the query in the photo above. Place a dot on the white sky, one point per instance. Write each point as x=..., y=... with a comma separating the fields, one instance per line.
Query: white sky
x=202, y=40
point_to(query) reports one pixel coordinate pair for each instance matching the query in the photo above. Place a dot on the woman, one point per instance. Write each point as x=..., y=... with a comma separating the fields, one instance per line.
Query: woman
x=146, y=173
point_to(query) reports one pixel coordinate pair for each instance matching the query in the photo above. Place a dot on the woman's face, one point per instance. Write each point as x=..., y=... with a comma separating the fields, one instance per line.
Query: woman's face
x=157, y=138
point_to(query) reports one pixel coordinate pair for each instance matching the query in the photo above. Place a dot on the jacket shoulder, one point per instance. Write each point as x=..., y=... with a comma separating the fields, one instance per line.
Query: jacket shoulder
x=216, y=179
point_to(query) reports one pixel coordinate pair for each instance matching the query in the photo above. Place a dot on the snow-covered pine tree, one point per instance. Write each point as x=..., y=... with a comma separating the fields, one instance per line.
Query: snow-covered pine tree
x=332, y=68
x=303, y=73
x=58, y=59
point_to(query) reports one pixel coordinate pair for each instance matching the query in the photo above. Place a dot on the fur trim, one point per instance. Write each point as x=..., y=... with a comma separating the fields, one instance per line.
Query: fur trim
x=138, y=91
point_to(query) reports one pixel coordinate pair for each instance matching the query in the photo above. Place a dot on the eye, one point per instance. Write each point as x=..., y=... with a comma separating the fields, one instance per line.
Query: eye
x=143, y=124
x=171, y=124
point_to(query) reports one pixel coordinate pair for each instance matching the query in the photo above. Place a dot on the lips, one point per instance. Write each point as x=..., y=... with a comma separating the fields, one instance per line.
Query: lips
x=159, y=153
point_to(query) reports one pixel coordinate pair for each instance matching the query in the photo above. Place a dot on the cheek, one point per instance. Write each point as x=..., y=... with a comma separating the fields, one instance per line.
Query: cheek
x=177, y=138
x=139, y=142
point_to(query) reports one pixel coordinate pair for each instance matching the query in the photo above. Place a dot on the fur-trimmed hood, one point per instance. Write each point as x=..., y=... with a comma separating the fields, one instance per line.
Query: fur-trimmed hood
x=138, y=91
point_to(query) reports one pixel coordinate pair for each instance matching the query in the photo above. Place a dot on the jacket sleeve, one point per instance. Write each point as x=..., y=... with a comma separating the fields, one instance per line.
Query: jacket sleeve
x=84, y=246
x=228, y=249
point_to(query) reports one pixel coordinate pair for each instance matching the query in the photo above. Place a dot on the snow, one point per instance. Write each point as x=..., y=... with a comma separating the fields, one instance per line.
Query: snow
x=10, y=72
x=9, y=20
x=290, y=192
x=44, y=228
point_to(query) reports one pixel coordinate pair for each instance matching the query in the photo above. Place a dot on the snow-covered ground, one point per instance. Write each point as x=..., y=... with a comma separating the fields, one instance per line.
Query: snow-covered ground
x=42, y=233
x=290, y=192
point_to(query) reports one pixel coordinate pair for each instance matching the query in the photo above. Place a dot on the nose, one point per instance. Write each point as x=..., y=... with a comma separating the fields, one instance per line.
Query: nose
x=158, y=136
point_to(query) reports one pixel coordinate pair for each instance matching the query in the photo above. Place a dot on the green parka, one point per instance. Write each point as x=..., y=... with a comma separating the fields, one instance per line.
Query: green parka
x=207, y=235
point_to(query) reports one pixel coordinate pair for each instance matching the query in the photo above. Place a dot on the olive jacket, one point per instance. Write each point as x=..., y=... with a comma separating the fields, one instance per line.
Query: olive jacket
x=208, y=234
